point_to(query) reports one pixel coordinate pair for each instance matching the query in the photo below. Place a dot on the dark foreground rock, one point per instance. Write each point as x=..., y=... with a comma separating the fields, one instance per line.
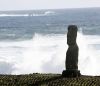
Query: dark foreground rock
x=48, y=80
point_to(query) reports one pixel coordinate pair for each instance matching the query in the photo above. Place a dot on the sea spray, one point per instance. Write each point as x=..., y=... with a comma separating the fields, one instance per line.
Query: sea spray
x=88, y=55
x=46, y=54
x=43, y=51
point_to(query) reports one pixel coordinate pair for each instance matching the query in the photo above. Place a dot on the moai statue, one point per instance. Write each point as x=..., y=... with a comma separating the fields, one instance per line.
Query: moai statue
x=71, y=62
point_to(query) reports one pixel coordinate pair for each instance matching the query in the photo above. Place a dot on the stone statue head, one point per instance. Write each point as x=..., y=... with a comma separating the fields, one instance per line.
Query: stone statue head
x=72, y=34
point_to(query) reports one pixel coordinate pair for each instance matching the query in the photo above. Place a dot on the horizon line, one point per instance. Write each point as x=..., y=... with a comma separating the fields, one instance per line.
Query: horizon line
x=50, y=9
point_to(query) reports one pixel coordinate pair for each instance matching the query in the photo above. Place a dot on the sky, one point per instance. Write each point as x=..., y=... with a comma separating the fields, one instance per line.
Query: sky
x=46, y=4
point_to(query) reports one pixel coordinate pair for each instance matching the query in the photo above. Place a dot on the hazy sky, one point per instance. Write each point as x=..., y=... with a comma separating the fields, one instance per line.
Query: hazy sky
x=46, y=4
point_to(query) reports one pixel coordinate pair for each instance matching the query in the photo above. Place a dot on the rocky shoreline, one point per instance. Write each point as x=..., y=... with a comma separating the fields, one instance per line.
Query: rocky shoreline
x=37, y=79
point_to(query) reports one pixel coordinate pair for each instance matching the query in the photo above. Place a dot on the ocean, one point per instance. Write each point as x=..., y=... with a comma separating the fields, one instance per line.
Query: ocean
x=35, y=41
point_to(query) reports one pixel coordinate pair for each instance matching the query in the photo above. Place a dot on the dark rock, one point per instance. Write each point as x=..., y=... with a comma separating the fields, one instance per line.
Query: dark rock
x=72, y=34
x=72, y=57
x=71, y=73
x=71, y=62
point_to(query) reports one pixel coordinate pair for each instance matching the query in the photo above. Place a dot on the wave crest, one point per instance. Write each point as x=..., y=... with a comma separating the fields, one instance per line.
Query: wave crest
x=46, y=13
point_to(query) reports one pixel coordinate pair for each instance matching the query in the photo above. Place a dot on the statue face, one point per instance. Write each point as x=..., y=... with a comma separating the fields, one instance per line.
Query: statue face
x=71, y=35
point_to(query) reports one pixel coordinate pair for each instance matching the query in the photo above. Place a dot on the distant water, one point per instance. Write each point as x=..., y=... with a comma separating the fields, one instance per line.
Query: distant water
x=35, y=41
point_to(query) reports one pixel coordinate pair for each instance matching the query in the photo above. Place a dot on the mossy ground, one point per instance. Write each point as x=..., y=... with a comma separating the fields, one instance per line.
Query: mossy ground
x=48, y=80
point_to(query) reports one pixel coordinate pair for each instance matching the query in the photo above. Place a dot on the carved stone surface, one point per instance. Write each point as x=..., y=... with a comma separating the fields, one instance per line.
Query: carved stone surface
x=71, y=62
x=71, y=73
x=72, y=34
x=72, y=57
x=72, y=52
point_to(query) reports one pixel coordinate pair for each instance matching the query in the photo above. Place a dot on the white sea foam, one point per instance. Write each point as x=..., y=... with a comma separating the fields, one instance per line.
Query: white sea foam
x=46, y=54
x=88, y=55
x=46, y=13
x=49, y=13
x=12, y=15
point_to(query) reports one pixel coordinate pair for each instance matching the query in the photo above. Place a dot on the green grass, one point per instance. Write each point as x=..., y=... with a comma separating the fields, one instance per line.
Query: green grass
x=37, y=79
